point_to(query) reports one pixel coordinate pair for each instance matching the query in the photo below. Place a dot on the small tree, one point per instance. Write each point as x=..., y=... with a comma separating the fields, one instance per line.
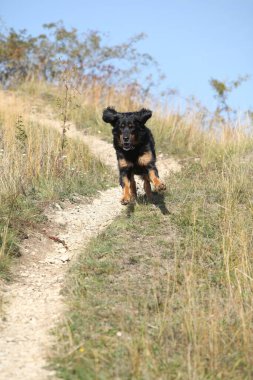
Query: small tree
x=222, y=91
x=48, y=56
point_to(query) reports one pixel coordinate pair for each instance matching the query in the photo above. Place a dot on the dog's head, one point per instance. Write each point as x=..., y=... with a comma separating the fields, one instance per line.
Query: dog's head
x=127, y=126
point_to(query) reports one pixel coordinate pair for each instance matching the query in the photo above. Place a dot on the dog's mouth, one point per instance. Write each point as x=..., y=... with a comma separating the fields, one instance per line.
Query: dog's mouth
x=127, y=146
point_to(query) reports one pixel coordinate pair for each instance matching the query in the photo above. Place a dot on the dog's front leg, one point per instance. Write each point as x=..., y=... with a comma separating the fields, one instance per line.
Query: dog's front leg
x=127, y=186
x=133, y=187
x=154, y=178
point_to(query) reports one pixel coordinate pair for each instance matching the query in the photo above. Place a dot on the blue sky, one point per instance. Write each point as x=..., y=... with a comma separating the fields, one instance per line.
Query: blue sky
x=193, y=40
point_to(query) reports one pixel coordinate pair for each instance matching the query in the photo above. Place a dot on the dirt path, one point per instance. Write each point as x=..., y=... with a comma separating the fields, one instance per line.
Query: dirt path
x=33, y=301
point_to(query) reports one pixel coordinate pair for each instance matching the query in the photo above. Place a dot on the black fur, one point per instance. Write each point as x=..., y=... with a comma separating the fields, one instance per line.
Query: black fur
x=135, y=148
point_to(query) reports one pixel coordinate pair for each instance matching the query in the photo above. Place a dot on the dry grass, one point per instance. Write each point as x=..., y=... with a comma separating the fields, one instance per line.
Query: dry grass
x=168, y=296
x=36, y=167
x=178, y=133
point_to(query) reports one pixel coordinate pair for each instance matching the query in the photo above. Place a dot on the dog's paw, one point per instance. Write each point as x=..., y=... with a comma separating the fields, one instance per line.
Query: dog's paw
x=160, y=187
x=125, y=200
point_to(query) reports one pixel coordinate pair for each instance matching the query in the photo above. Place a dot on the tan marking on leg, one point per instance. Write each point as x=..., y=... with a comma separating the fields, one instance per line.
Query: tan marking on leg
x=159, y=185
x=133, y=187
x=145, y=159
x=147, y=187
x=126, y=196
x=124, y=163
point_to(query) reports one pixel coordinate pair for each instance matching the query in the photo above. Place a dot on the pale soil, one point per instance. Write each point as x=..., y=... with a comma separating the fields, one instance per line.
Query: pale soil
x=33, y=302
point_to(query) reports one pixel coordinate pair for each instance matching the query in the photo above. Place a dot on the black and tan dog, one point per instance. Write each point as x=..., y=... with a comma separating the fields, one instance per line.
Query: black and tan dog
x=135, y=150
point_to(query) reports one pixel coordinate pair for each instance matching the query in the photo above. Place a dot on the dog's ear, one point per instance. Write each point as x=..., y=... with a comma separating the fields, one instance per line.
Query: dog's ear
x=110, y=115
x=143, y=115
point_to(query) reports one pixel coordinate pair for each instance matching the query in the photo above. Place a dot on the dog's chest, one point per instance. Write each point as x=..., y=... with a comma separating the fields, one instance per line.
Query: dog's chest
x=137, y=164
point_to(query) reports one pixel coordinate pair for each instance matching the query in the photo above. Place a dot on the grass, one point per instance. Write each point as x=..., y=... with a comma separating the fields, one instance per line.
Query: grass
x=177, y=133
x=164, y=295
x=38, y=166
x=168, y=296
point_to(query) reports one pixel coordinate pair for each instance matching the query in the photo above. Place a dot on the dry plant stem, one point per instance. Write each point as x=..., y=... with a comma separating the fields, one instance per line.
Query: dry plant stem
x=65, y=115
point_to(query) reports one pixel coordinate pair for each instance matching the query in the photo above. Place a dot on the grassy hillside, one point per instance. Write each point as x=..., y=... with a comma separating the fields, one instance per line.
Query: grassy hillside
x=37, y=166
x=168, y=296
x=179, y=133
x=158, y=295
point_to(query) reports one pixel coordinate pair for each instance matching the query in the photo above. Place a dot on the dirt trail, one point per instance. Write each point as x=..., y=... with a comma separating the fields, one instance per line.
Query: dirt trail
x=33, y=301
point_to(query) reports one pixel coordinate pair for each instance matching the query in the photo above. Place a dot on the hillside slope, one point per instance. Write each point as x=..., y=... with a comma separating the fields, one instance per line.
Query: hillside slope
x=33, y=300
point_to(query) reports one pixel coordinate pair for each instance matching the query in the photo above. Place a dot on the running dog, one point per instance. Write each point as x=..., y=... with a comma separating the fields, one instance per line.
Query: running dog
x=135, y=150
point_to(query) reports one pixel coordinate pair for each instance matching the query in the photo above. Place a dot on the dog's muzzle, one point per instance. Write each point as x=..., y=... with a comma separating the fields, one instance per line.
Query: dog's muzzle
x=127, y=146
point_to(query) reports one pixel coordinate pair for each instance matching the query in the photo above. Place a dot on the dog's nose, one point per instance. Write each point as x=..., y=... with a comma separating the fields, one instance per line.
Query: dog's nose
x=125, y=138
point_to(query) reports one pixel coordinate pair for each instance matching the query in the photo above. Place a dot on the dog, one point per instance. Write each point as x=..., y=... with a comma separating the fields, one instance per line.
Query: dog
x=135, y=150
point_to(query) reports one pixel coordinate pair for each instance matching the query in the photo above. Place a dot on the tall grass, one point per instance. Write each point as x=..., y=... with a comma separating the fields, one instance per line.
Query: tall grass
x=168, y=296
x=163, y=296
x=184, y=133
x=36, y=167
